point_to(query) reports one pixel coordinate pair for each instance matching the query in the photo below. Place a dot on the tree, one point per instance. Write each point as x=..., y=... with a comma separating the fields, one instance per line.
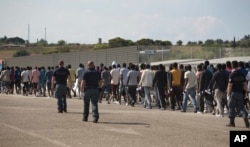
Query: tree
x=42, y=42
x=101, y=46
x=219, y=41
x=145, y=41
x=200, y=43
x=119, y=42
x=61, y=43
x=3, y=40
x=209, y=42
x=15, y=40
x=21, y=53
x=166, y=43
x=179, y=42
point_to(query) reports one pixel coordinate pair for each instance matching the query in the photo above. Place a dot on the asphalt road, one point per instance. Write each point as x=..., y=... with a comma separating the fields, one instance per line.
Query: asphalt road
x=27, y=121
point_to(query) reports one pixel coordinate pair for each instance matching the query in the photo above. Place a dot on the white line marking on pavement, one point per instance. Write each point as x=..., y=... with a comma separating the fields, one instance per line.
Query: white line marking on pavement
x=127, y=131
x=36, y=135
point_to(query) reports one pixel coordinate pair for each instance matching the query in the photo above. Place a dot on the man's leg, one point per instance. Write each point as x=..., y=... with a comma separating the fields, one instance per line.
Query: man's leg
x=86, y=100
x=94, y=101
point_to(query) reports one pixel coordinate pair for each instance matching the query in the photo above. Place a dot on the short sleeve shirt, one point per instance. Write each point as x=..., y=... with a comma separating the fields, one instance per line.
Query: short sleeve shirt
x=237, y=78
x=61, y=74
x=191, y=79
x=133, y=77
x=91, y=78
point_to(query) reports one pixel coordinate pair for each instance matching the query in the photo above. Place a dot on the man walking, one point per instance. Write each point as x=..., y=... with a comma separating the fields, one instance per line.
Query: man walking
x=90, y=86
x=219, y=84
x=236, y=86
x=161, y=81
x=60, y=75
x=176, y=89
x=147, y=82
x=190, y=88
x=79, y=74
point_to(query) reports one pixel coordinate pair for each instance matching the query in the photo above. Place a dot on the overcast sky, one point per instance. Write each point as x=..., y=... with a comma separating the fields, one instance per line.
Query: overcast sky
x=84, y=21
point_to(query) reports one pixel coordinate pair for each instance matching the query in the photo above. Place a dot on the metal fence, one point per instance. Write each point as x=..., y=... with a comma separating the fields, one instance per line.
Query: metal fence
x=129, y=54
x=105, y=56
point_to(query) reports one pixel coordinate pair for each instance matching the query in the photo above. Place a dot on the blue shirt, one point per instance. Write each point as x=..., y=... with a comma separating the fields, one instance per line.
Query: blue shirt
x=91, y=78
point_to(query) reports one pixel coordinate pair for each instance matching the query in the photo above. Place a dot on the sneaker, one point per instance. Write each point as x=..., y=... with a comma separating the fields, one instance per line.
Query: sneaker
x=246, y=122
x=219, y=115
x=85, y=119
x=95, y=120
x=116, y=102
x=230, y=125
x=199, y=112
x=60, y=111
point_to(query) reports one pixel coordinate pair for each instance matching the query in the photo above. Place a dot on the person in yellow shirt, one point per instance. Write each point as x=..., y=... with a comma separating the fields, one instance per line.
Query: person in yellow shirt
x=71, y=81
x=175, y=91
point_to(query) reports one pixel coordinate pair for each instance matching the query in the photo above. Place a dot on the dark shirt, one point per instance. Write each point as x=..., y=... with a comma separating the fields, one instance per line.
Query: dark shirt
x=205, y=79
x=17, y=75
x=219, y=80
x=91, y=78
x=49, y=75
x=106, y=77
x=237, y=78
x=160, y=78
x=61, y=74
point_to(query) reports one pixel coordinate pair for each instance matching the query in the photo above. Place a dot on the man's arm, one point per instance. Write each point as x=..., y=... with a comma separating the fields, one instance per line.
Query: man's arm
x=83, y=85
x=52, y=82
x=229, y=88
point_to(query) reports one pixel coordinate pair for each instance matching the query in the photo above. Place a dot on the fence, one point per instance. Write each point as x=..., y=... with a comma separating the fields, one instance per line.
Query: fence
x=105, y=56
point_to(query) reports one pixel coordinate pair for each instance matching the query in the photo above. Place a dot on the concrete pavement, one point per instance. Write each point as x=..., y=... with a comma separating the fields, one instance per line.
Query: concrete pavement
x=28, y=121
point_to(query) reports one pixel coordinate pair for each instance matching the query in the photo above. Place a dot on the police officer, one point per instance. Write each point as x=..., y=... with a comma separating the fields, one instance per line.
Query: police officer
x=60, y=76
x=236, y=86
x=90, y=83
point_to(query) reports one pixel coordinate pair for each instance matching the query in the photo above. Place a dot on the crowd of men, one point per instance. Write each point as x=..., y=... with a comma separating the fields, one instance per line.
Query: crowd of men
x=222, y=89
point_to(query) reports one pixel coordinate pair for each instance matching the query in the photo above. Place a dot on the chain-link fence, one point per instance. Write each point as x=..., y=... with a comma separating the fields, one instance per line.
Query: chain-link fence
x=159, y=53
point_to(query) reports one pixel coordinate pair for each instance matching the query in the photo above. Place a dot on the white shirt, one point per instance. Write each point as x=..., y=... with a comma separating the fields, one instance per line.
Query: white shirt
x=248, y=80
x=191, y=77
x=115, y=76
x=123, y=73
x=146, y=78
x=25, y=76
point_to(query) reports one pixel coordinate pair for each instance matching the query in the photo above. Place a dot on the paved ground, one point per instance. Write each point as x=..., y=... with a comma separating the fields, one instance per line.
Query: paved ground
x=34, y=121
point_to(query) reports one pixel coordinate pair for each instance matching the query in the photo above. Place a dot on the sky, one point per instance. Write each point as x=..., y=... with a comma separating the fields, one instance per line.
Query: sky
x=84, y=21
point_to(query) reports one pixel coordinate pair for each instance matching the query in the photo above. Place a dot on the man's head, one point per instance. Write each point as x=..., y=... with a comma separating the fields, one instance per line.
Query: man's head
x=175, y=65
x=189, y=67
x=91, y=64
x=235, y=64
x=61, y=63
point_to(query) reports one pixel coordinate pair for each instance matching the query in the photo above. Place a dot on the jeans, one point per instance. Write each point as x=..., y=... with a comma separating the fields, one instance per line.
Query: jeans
x=147, y=100
x=219, y=96
x=190, y=93
x=105, y=88
x=157, y=96
x=91, y=94
x=236, y=101
x=161, y=96
x=60, y=94
x=175, y=96
x=132, y=94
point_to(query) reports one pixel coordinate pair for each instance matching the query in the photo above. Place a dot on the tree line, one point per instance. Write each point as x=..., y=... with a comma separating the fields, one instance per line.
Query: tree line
x=244, y=42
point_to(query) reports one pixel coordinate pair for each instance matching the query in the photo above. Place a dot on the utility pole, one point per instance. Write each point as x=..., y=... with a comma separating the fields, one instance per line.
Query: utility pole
x=45, y=34
x=28, y=33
